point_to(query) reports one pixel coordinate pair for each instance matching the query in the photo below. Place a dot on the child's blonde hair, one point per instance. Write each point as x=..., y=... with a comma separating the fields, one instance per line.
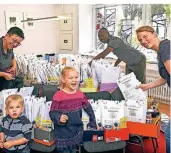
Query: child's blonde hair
x=14, y=97
x=63, y=74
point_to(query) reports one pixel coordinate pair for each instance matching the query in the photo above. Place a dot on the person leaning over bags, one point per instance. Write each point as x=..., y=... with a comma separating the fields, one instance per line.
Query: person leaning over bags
x=148, y=38
x=135, y=60
x=12, y=39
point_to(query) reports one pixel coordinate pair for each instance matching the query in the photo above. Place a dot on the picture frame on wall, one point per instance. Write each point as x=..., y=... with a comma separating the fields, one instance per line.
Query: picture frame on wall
x=66, y=24
x=13, y=19
x=66, y=41
x=28, y=25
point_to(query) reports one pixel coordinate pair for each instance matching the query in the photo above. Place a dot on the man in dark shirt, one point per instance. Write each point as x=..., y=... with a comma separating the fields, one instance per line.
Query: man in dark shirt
x=8, y=65
x=135, y=60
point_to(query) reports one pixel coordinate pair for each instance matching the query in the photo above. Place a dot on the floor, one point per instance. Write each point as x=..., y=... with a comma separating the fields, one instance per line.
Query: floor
x=164, y=108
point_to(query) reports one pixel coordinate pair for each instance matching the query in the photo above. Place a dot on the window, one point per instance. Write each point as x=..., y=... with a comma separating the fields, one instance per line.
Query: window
x=118, y=19
x=160, y=15
x=105, y=17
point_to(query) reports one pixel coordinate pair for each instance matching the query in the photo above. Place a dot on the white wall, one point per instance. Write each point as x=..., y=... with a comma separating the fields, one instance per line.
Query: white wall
x=69, y=8
x=43, y=38
x=85, y=28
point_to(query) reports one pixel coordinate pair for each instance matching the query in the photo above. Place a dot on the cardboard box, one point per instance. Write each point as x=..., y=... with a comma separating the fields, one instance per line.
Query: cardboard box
x=116, y=135
x=145, y=129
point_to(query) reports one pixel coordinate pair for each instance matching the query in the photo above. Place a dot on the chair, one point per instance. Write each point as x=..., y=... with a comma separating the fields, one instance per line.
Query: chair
x=136, y=140
x=117, y=95
x=102, y=146
x=98, y=95
x=45, y=90
x=40, y=147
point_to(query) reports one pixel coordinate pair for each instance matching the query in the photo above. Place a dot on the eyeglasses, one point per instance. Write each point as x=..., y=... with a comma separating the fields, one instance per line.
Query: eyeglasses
x=15, y=42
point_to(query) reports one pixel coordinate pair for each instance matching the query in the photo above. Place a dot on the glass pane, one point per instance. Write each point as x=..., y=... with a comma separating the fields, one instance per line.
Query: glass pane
x=161, y=32
x=105, y=18
x=154, y=24
x=159, y=18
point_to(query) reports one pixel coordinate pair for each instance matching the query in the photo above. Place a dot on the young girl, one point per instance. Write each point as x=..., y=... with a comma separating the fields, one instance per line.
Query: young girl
x=66, y=112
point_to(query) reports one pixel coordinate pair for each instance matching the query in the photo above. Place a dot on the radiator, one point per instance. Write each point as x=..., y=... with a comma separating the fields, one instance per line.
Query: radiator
x=161, y=93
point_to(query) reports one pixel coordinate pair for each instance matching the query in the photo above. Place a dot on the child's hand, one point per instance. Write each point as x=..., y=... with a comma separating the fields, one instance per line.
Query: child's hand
x=63, y=118
x=8, y=144
x=1, y=144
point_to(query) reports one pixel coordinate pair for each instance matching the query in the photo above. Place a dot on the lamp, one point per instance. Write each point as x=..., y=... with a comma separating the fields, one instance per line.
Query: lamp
x=53, y=18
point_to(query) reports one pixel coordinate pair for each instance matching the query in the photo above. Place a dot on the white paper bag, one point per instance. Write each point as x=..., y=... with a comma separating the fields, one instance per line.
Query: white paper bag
x=135, y=110
x=112, y=111
x=110, y=74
